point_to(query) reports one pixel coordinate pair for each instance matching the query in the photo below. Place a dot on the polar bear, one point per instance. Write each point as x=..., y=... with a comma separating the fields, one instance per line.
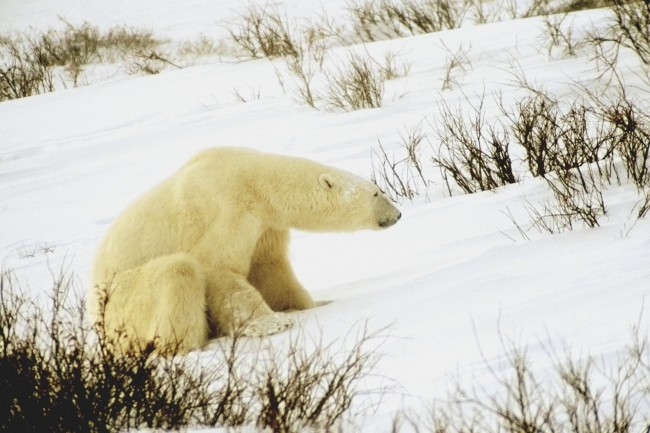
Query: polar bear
x=204, y=253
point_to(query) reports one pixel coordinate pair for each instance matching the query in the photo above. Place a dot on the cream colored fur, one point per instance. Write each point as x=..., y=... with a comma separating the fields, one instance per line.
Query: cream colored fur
x=205, y=252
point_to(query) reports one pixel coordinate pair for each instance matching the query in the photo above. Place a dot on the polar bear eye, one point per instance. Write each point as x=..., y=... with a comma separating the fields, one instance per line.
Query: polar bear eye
x=376, y=194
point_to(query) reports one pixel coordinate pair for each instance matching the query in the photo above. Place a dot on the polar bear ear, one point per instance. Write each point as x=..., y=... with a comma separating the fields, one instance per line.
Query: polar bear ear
x=326, y=181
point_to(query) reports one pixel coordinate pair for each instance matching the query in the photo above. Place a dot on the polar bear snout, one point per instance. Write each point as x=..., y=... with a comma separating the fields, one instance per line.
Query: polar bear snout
x=389, y=222
x=387, y=214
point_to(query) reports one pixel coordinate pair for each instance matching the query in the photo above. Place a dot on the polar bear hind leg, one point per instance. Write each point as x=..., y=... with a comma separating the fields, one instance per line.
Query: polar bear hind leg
x=162, y=300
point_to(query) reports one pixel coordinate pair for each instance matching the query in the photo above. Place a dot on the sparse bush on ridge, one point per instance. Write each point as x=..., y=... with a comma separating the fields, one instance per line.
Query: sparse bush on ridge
x=575, y=164
x=373, y=20
x=300, y=389
x=475, y=155
x=202, y=46
x=556, y=34
x=456, y=66
x=354, y=85
x=577, y=196
x=57, y=373
x=22, y=72
x=386, y=19
x=264, y=32
x=631, y=141
x=630, y=27
x=305, y=62
x=556, y=138
x=574, y=150
x=400, y=178
x=28, y=62
x=571, y=145
x=631, y=138
x=580, y=395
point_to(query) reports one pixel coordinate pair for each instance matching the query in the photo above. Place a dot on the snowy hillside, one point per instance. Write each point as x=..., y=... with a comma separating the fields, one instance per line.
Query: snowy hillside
x=449, y=278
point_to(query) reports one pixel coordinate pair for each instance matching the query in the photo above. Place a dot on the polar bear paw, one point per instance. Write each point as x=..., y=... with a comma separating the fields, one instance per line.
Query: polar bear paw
x=267, y=325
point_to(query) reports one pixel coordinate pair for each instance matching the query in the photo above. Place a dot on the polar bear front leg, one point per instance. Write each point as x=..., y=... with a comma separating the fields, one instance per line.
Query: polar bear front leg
x=235, y=307
x=271, y=274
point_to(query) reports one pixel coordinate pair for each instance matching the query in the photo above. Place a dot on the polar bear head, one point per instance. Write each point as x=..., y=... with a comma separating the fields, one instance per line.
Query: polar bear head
x=354, y=203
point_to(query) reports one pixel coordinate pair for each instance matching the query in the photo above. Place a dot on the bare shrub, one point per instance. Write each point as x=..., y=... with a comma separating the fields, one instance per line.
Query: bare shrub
x=628, y=27
x=392, y=68
x=129, y=39
x=23, y=70
x=78, y=45
x=381, y=19
x=302, y=72
x=475, y=155
x=556, y=34
x=86, y=44
x=202, y=46
x=264, y=31
x=355, y=84
x=573, y=150
x=401, y=178
x=578, y=5
x=580, y=395
x=577, y=196
x=28, y=62
x=644, y=204
x=479, y=13
x=631, y=27
x=532, y=9
x=631, y=137
x=313, y=390
x=304, y=65
x=367, y=22
x=456, y=66
x=323, y=27
x=148, y=61
x=57, y=373
x=558, y=139
x=533, y=125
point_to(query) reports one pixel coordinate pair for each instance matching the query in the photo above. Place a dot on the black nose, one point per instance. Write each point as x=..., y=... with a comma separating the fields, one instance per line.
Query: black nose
x=399, y=216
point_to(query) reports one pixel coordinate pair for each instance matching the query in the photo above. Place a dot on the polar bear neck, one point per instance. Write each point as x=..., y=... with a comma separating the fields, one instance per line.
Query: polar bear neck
x=294, y=195
x=301, y=201
x=284, y=191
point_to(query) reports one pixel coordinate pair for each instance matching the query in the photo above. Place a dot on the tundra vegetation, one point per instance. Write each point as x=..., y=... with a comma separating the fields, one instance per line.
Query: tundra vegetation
x=59, y=374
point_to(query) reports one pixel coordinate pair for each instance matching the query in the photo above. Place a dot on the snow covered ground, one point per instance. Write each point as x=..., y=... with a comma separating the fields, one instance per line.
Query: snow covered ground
x=447, y=278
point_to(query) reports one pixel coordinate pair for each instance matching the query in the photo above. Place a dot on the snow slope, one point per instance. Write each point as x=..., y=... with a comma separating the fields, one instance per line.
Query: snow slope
x=451, y=274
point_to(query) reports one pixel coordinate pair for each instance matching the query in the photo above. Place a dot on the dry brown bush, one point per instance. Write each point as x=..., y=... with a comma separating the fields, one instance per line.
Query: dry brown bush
x=57, y=373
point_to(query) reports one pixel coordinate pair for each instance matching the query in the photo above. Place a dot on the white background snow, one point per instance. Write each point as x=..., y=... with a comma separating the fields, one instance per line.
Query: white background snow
x=445, y=277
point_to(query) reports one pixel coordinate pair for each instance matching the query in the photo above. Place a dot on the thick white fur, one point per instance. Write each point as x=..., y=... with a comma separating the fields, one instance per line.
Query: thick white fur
x=205, y=251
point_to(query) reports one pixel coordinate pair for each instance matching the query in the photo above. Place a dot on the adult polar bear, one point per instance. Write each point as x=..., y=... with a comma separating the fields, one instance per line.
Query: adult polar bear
x=205, y=251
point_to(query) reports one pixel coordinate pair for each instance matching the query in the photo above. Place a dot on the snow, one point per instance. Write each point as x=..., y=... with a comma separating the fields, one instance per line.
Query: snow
x=448, y=278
